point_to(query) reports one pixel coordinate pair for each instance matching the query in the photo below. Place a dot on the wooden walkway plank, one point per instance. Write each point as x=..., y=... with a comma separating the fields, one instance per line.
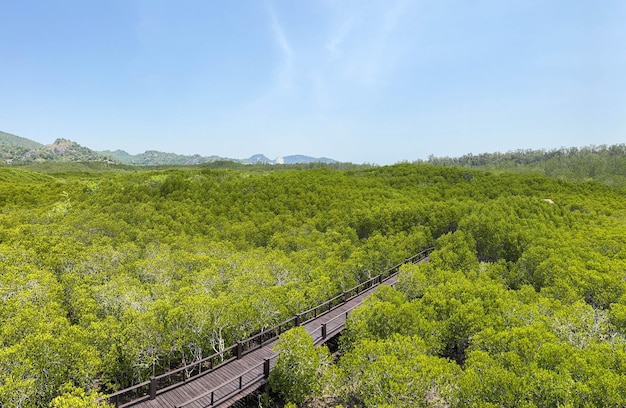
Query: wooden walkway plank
x=196, y=392
x=232, y=370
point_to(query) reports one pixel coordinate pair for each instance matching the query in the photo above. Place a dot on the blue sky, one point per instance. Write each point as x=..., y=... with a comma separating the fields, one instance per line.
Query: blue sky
x=359, y=81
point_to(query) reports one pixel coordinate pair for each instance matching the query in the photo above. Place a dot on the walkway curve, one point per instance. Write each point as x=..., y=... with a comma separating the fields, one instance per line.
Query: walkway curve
x=251, y=361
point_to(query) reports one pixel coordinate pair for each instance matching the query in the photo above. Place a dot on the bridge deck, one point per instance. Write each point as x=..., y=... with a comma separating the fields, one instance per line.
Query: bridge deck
x=196, y=393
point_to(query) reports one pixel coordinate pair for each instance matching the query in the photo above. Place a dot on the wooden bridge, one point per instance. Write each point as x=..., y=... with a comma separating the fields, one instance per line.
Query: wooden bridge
x=226, y=377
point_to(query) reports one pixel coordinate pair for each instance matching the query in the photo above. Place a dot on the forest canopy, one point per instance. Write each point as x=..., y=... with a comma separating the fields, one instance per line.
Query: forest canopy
x=606, y=164
x=110, y=277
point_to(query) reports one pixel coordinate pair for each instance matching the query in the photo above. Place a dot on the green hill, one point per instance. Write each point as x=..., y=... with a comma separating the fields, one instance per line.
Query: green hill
x=19, y=150
x=9, y=139
x=156, y=158
x=14, y=147
x=606, y=164
x=66, y=150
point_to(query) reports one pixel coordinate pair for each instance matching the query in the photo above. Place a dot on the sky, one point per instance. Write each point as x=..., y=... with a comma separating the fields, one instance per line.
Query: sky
x=363, y=81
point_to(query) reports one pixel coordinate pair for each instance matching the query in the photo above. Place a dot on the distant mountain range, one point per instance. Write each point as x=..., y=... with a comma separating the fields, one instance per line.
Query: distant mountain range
x=19, y=150
x=298, y=158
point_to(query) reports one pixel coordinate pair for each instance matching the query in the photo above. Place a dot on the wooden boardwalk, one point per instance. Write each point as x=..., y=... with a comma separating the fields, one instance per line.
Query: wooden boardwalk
x=252, y=364
x=229, y=382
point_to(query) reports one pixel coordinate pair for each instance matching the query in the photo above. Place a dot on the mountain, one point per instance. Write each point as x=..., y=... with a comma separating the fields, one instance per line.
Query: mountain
x=155, y=158
x=257, y=159
x=14, y=148
x=298, y=158
x=294, y=159
x=17, y=141
x=66, y=150
x=19, y=150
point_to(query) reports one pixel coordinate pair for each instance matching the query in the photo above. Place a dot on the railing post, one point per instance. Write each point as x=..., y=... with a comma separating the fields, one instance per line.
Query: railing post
x=240, y=381
x=212, y=397
x=277, y=330
x=266, y=368
x=153, y=388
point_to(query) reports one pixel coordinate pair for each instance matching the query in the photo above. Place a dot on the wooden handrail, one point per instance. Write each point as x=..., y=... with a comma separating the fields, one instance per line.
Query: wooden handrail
x=239, y=377
x=119, y=395
x=256, y=341
x=219, y=355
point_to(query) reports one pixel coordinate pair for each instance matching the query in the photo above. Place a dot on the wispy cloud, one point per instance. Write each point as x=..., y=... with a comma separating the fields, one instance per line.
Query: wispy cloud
x=284, y=73
x=265, y=113
x=379, y=57
x=361, y=46
x=334, y=44
x=332, y=73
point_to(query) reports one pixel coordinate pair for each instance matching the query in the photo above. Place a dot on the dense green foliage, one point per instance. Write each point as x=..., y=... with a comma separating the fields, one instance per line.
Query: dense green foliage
x=522, y=305
x=109, y=277
x=602, y=163
x=300, y=367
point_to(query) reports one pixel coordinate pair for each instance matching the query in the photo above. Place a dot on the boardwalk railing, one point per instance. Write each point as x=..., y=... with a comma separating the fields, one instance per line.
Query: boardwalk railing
x=255, y=376
x=258, y=374
x=172, y=379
